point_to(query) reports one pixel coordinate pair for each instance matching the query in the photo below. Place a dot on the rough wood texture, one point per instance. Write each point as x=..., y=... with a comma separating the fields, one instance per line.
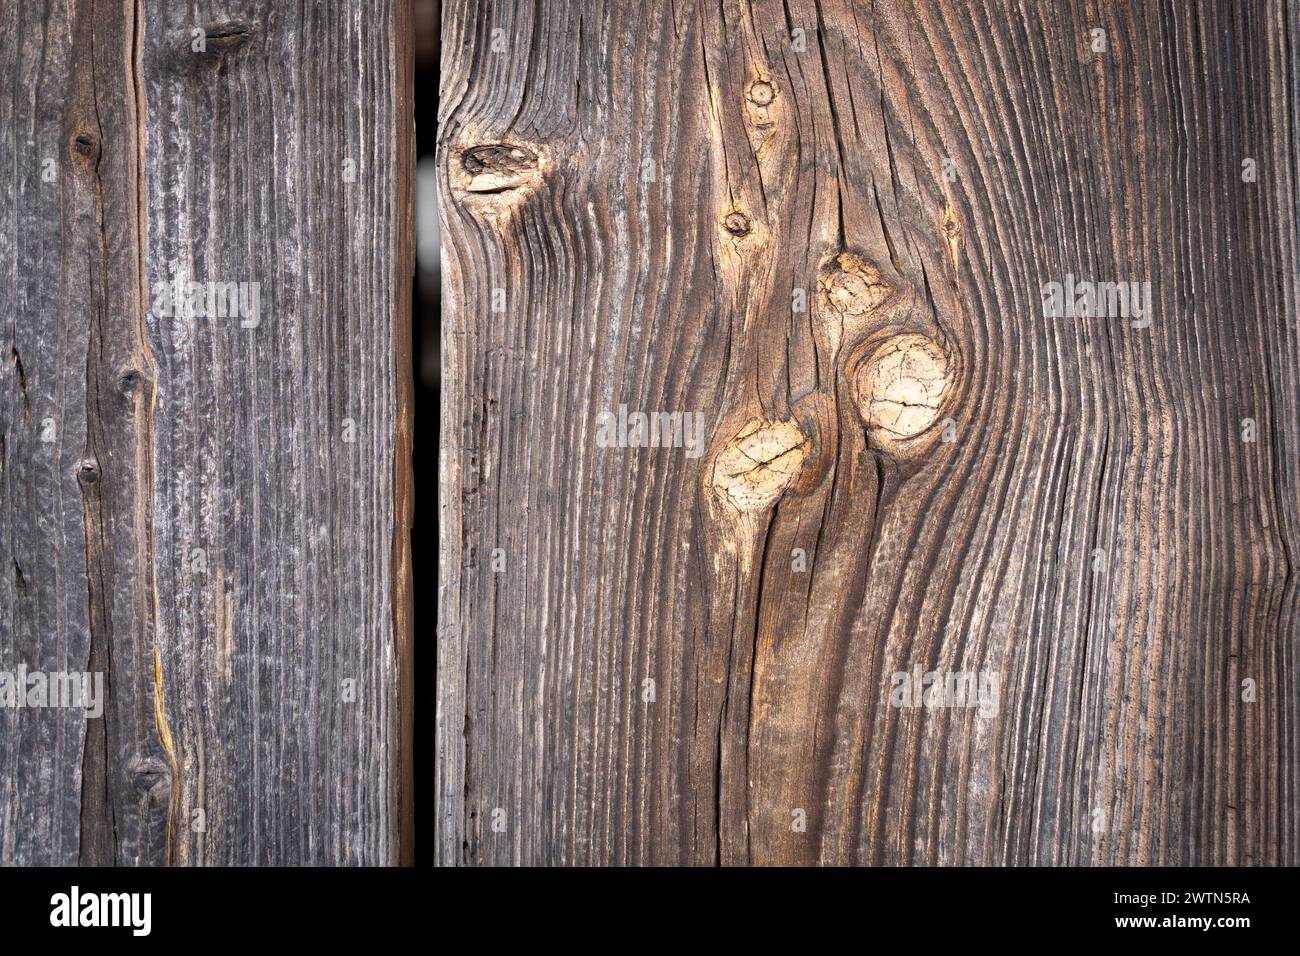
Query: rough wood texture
x=1068, y=503
x=213, y=511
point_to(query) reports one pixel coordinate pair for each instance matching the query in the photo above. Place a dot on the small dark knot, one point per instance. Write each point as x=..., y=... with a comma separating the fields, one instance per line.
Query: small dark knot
x=88, y=471
x=737, y=223
x=151, y=775
x=85, y=144
x=130, y=381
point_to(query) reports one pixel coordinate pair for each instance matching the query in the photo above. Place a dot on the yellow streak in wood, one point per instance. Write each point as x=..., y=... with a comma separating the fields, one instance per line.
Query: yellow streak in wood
x=951, y=229
x=159, y=696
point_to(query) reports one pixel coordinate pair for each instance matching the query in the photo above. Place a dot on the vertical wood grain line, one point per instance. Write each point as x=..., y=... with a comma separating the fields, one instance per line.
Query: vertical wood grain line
x=403, y=384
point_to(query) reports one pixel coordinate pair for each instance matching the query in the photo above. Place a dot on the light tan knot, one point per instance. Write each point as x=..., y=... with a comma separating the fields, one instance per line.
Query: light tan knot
x=900, y=389
x=761, y=92
x=853, y=286
x=759, y=463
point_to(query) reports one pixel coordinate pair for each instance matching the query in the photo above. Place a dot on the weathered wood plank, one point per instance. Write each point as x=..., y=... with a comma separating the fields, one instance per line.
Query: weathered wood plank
x=827, y=228
x=221, y=524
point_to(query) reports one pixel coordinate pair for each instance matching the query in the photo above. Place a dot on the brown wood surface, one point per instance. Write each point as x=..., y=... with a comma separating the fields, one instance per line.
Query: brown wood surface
x=633, y=194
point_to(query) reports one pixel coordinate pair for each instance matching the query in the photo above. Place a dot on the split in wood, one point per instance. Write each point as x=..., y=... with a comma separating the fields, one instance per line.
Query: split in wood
x=759, y=463
x=21, y=374
x=900, y=389
x=225, y=36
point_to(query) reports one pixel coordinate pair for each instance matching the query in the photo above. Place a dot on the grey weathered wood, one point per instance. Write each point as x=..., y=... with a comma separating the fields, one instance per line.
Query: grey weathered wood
x=1122, y=735
x=206, y=527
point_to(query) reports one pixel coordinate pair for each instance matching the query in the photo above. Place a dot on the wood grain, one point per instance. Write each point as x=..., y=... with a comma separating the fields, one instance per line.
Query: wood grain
x=221, y=521
x=1071, y=504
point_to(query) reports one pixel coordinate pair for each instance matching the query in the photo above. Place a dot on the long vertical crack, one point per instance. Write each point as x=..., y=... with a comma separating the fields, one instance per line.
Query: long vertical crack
x=146, y=353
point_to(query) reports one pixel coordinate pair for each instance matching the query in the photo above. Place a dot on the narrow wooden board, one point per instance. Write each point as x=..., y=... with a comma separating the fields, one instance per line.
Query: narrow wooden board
x=220, y=520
